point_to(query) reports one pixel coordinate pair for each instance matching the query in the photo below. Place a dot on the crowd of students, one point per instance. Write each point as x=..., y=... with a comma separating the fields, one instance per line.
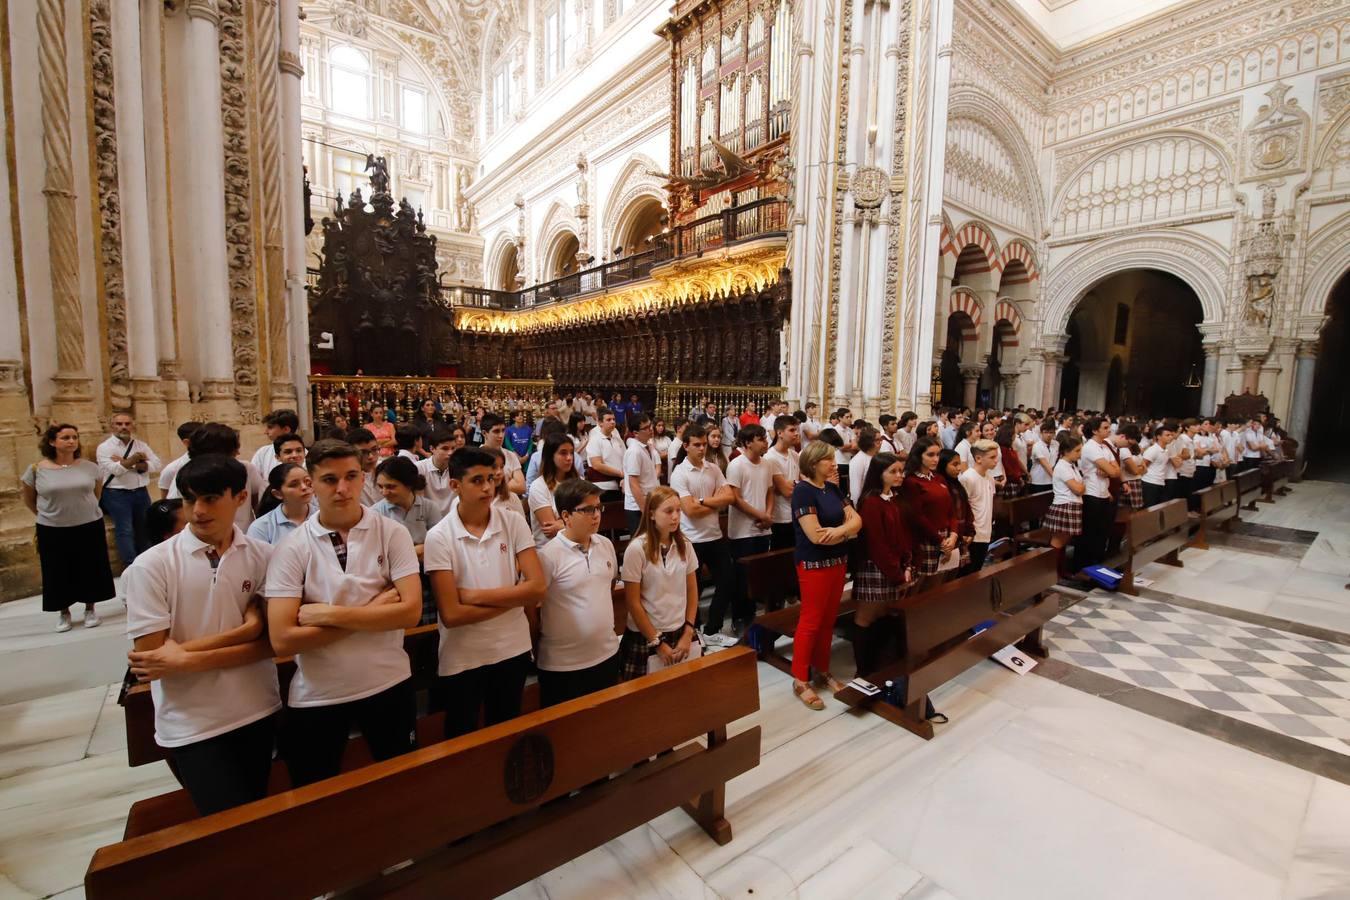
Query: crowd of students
x=328, y=552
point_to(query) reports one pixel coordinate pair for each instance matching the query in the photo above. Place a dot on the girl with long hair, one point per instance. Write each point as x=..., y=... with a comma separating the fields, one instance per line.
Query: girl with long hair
x=1065, y=516
x=934, y=518
x=1014, y=473
x=884, y=575
x=557, y=464
x=660, y=579
x=289, y=501
x=717, y=454
x=950, y=466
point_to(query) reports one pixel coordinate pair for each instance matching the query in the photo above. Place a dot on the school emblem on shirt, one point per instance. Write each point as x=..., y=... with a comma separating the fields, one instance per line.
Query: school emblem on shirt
x=248, y=586
x=502, y=546
x=380, y=561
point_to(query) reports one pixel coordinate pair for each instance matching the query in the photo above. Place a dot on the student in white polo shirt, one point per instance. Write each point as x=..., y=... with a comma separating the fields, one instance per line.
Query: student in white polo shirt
x=436, y=470
x=193, y=613
x=277, y=424
x=704, y=493
x=749, y=523
x=660, y=579
x=493, y=428
x=327, y=606
x=1098, y=465
x=641, y=463
x=368, y=452
x=604, y=457
x=979, y=484
x=578, y=649
x=484, y=572
x=1157, y=460
x=1043, y=456
x=782, y=460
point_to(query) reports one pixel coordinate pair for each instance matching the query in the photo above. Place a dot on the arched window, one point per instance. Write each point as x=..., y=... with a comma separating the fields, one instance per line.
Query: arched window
x=349, y=82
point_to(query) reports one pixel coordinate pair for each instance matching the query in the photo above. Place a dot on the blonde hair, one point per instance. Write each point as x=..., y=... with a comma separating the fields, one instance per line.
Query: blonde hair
x=811, y=456
x=647, y=528
x=981, y=447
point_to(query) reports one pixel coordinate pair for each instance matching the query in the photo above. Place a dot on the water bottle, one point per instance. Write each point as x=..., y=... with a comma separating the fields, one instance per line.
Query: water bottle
x=889, y=694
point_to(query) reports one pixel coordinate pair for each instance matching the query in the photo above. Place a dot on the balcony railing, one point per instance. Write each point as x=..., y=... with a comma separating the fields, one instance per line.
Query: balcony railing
x=763, y=218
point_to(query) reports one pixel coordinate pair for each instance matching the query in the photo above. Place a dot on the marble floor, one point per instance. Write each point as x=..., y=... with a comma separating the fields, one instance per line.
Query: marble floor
x=1036, y=788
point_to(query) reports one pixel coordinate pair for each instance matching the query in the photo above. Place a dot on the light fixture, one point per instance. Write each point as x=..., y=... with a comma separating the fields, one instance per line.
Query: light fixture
x=1192, y=381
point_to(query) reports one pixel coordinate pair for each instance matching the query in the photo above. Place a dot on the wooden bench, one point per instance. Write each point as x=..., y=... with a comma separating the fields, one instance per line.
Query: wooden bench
x=771, y=579
x=1218, y=508
x=1014, y=518
x=1017, y=595
x=1154, y=534
x=478, y=815
x=1275, y=479
x=1249, y=488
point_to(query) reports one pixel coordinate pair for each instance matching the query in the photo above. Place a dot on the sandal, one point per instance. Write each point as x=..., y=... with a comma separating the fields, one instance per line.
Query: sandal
x=829, y=681
x=807, y=696
x=938, y=718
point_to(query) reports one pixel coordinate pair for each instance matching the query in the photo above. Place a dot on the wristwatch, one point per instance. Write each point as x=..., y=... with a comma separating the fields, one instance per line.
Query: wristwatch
x=654, y=643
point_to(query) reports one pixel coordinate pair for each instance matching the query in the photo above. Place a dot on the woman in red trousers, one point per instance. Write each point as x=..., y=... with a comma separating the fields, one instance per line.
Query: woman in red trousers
x=823, y=521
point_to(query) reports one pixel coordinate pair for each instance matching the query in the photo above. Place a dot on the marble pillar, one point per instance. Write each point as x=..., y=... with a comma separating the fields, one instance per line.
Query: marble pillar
x=292, y=188
x=1009, y=395
x=1210, y=382
x=1251, y=372
x=970, y=385
x=1054, y=369
x=73, y=394
x=1300, y=406
x=203, y=202
x=133, y=190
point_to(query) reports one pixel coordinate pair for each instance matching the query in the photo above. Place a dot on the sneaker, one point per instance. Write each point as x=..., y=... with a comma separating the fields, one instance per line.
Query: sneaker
x=64, y=623
x=91, y=619
x=719, y=641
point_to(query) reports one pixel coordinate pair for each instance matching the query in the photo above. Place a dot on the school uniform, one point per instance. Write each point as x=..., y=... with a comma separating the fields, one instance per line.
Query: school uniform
x=273, y=527
x=1098, y=507
x=217, y=726
x=1065, y=515
x=1130, y=484
x=1039, y=480
x=980, y=491
x=610, y=451
x=438, y=492
x=264, y=458
x=664, y=589
x=705, y=532
x=642, y=461
x=363, y=679
x=482, y=666
x=857, y=475
x=578, y=649
x=1186, y=468
x=784, y=464
x=1157, y=462
x=752, y=481
x=1205, y=470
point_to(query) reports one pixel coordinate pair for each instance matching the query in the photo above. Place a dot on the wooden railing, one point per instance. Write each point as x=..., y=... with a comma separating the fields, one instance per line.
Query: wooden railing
x=347, y=394
x=675, y=400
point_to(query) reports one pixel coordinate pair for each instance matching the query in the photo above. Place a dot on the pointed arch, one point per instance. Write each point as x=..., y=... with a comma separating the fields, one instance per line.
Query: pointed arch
x=970, y=102
x=633, y=184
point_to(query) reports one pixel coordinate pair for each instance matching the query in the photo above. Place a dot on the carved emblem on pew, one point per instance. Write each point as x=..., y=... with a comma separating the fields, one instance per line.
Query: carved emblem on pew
x=529, y=768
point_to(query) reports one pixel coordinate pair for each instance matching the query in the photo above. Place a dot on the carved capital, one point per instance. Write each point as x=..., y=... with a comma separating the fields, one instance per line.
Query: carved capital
x=971, y=373
x=1308, y=349
x=11, y=376
x=203, y=9
x=289, y=63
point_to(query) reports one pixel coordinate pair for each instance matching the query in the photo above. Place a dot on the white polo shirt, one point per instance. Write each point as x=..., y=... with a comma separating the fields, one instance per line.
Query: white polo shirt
x=305, y=565
x=173, y=587
x=1040, y=452
x=980, y=490
x=1158, y=462
x=1065, y=472
x=664, y=583
x=540, y=497
x=857, y=474
x=609, y=450
x=753, y=481
x=698, y=483
x=576, y=621
x=1206, y=442
x=1125, y=473
x=264, y=458
x=784, y=464
x=1187, y=467
x=438, y=491
x=644, y=462
x=168, y=475
x=370, y=492
x=480, y=562
x=1252, y=443
x=1095, y=483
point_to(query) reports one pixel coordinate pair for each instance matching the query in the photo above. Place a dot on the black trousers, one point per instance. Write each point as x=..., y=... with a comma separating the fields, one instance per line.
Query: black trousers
x=634, y=519
x=493, y=690
x=781, y=536
x=742, y=608
x=1185, y=486
x=716, y=555
x=1090, y=546
x=1038, y=488
x=316, y=736
x=978, y=551
x=1204, y=477
x=228, y=770
x=559, y=687
x=1154, y=493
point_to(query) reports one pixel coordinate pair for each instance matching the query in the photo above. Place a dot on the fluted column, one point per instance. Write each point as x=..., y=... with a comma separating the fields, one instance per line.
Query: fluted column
x=293, y=201
x=203, y=202
x=73, y=398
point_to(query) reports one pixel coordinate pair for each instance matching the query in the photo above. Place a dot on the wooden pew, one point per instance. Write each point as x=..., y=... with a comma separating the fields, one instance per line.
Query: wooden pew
x=1249, y=488
x=478, y=815
x=1155, y=534
x=1218, y=508
x=1013, y=518
x=1275, y=479
x=1018, y=595
x=771, y=579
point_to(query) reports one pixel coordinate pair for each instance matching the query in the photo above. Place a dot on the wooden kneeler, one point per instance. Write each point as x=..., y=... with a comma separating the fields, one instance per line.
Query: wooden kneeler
x=1017, y=595
x=1154, y=534
x=478, y=815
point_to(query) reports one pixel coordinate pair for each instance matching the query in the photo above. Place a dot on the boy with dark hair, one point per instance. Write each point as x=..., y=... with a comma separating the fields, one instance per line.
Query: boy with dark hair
x=493, y=428
x=641, y=465
x=436, y=470
x=218, y=439
x=368, y=452
x=276, y=424
x=578, y=649
x=329, y=605
x=170, y=471
x=194, y=617
x=704, y=493
x=485, y=574
x=287, y=448
x=408, y=440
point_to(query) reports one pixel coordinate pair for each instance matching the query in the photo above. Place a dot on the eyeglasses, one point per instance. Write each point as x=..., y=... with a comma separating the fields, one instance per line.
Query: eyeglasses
x=372, y=452
x=590, y=509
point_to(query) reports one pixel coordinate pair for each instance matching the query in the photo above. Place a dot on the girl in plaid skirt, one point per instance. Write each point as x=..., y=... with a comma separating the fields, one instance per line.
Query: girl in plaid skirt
x=933, y=518
x=1132, y=467
x=1065, y=516
x=884, y=575
x=660, y=581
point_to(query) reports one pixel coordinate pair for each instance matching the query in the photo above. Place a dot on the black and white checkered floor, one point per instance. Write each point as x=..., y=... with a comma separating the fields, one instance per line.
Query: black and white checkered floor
x=1283, y=682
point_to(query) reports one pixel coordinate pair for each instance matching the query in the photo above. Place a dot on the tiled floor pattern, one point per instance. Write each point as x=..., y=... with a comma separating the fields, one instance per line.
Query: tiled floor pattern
x=1283, y=682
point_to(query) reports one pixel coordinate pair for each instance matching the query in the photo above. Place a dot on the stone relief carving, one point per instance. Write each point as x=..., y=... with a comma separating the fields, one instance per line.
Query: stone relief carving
x=1275, y=144
x=109, y=203
x=350, y=17
x=239, y=209
x=840, y=191
x=896, y=235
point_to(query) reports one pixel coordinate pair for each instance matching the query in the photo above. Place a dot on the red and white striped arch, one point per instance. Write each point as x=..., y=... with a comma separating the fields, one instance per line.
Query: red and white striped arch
x=1016, y=249
x=976, y=234
x=963, y=300
x=1005, y=314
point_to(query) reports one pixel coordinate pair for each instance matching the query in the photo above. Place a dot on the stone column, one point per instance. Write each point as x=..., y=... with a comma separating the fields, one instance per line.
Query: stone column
x=1054, y=363
x=73, y=396
x=137, y=267
x=1300, y=407
x=970, y=384
x=1209, y=384
x=16, y=435
x=204, y=205
x=1251, y=372
x=293, y=211
x=1009, y=396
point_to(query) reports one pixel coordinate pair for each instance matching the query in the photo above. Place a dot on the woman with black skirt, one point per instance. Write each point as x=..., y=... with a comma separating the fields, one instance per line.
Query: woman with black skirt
x=63, y=490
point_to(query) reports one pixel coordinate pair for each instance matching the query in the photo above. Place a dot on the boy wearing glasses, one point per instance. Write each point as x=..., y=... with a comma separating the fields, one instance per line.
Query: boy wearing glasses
x=485, y=574
x=368, y=454
x=578, y=649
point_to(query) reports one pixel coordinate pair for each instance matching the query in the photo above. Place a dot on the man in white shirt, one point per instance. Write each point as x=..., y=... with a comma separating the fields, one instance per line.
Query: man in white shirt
x=277, y=423
x=436, y=470
x=770, y=416
x=909, y=421
x=1253, y=445
x=170, y=471
x=493, y=428
x=857, y=467
x=1190, y=429
x=486, y=576
x=578, y=649
x=604, y=453
x=812, y=426
x=1098, y=465
x=782, y=456
x=1044, y=454
x=1208, y=455
x=193, y=614
x=327, y=606
x=749, y=519
x=640, y=467
x=704, y=493
x=126, y=464
x=1157, y=461
x=980, y=487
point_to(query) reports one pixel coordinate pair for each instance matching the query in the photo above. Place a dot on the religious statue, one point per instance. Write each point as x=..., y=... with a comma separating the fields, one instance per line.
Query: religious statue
x=1260, y=298
x=379, y=173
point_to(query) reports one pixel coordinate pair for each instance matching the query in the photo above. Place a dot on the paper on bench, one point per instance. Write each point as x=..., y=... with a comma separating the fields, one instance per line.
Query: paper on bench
x=656, y=662
x=1015, y=659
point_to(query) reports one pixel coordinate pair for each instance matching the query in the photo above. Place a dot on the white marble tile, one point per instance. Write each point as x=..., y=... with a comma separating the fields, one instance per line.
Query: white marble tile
x=1321, y=865
x=49, y=731
x=636, y=864
x=865, y=870
x=1324, y=613
x=42, y=664
x=110, y=733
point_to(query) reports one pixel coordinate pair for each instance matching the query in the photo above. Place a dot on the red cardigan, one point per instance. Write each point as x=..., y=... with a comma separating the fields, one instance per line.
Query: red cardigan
x=930, y=506
x=1013, y=469
x=889, y=544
